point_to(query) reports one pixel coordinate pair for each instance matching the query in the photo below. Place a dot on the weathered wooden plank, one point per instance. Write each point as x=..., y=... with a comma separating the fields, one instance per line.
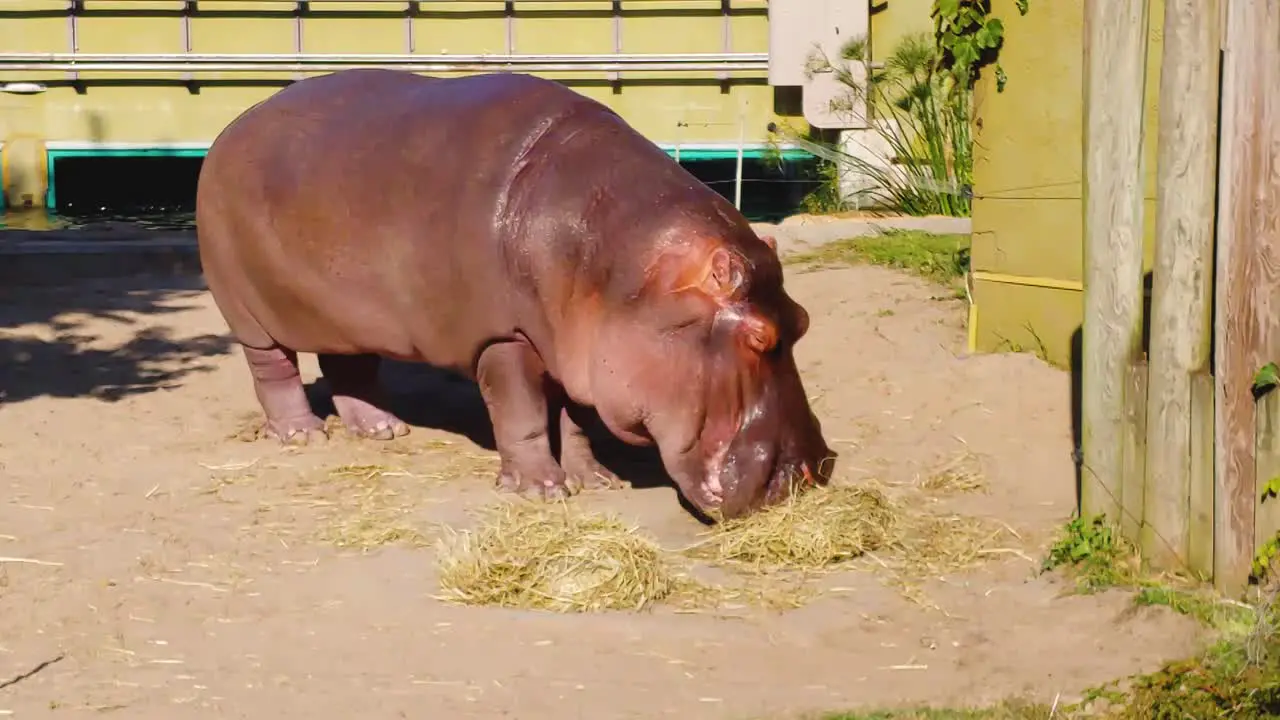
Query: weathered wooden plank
x=1115, y=49
x=1181, y=307
x=1248, y=281
x=1132, y=491
x=1200, y=534
x=1266, y=519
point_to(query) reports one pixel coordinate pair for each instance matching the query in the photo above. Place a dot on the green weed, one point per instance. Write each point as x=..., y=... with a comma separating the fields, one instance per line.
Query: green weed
x=944, y=259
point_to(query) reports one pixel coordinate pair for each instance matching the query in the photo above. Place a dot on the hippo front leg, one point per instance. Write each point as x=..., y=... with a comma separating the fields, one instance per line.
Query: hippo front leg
x=577, y=458
x=511, y=379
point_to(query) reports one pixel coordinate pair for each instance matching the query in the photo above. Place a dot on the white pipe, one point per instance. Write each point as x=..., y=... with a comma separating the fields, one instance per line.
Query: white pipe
x=229, y=7
x=737, y=176
x=334, y=67
x=384, y=59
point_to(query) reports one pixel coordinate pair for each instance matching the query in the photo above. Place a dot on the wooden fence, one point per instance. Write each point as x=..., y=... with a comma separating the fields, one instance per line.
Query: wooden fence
x=1175, y=447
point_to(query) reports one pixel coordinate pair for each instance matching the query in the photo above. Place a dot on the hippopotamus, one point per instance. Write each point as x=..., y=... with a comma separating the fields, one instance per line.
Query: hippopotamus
x=513, y=231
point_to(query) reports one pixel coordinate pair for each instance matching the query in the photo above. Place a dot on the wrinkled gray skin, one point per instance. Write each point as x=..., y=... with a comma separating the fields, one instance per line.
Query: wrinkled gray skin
x=507, y=228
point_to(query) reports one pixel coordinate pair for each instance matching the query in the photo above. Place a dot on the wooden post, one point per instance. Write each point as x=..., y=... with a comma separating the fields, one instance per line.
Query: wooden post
x=1115, y=48
x=1200, y=538
x=1248, y=307
x=1181, y=307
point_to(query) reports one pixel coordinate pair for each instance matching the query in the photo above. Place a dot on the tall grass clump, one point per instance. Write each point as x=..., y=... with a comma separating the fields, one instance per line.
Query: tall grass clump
x=920, y=115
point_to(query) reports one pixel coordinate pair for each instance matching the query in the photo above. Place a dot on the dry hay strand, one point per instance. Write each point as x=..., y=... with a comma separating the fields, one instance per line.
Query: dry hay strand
x=811, y=531
x=931, y=545
x=831, y=528
x=961, y=474
x=368, y=511
x=552, y=557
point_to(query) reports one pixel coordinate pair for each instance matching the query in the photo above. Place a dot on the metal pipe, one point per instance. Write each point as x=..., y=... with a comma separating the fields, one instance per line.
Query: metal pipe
x=216, y=3
x=420, y=66
x=384, y=59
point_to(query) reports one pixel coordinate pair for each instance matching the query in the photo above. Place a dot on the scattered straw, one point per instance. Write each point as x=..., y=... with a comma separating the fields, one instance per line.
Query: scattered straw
x=534, y=556
x=961, y=474
x=368, y=511
x=812, y=531
x=935, y=545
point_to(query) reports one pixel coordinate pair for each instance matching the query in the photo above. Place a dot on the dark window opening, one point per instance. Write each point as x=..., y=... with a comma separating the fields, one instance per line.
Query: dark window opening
x=770, y=190
x=125, y=188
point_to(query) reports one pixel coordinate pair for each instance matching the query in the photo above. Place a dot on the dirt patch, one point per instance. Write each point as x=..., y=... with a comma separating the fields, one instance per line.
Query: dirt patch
x=158, y=565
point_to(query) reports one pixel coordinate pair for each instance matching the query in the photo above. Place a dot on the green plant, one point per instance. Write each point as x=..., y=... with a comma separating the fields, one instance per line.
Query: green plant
x=920, y=117
x=1097, y=553
x=1264, y=381
x=943, y=259
x=969, y=37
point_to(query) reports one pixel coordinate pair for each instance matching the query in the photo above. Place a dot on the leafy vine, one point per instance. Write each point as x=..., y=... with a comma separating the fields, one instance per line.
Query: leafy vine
x=969, y=38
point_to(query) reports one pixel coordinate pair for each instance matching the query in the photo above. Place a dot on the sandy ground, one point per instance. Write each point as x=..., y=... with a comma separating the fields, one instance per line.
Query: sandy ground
x=159, y=567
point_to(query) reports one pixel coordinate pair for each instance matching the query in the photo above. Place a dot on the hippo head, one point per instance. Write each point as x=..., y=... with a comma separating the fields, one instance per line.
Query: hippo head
x=700, y=363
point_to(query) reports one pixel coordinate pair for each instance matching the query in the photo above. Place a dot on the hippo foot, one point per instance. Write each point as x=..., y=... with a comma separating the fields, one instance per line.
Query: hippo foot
x=297, y=432
x=589, y=474
x=368, y=421
x=537, y=481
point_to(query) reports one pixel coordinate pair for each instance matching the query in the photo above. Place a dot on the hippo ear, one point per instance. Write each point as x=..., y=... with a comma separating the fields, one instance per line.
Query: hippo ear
x=771, y=241
x=725, y=274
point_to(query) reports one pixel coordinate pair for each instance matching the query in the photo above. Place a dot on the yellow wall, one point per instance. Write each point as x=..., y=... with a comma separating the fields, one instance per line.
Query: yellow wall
x=1028, y=167
x=113, y=107
x=898, y=19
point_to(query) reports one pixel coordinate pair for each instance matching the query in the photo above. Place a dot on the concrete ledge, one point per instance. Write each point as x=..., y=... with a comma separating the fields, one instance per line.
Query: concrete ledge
x=805, y=232
x=31, y=257
x=58, y=257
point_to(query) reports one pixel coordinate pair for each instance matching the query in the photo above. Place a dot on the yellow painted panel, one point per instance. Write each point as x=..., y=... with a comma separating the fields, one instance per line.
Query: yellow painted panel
x=117, y=28
x=460, y=28
x=1028, y=165
x=141, y=114
x=696, y=113
x=353, y=27
x=673, y=27
x=122, y=27
x=749, y=26
x=1028, y=319
x=563, y=28
x=33, y=26
x=898, y=19
x=1004, y=240
x=243, y=27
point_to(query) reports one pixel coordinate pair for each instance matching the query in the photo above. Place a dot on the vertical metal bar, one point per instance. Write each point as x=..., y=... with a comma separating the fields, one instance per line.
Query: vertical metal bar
x=726, y=34
x=737, y=176
x=411, y=11
x=188, y=8
x=617, y=36
x=74, y=7
x=509, y=12
x=299, y=10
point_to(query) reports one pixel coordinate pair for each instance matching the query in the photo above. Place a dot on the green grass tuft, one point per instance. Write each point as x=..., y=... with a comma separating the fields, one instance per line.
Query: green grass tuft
x=941, y=258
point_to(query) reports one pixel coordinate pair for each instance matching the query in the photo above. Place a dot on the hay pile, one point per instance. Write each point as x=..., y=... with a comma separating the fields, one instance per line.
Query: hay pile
x=527, y=555
x=832, y=528
x=534, y=556
x=812, y=531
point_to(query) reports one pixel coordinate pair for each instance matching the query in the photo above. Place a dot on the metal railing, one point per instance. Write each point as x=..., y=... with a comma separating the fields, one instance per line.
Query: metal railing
x=323, y=62
x=189, y=62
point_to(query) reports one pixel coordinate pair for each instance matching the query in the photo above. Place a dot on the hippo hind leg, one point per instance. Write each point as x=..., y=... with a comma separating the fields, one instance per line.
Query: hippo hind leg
x=511, y=378
x=279, y=389
x=357, y=396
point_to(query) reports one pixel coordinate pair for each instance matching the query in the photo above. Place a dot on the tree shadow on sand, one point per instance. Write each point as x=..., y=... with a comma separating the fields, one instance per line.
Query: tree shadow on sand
x=50, y=344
